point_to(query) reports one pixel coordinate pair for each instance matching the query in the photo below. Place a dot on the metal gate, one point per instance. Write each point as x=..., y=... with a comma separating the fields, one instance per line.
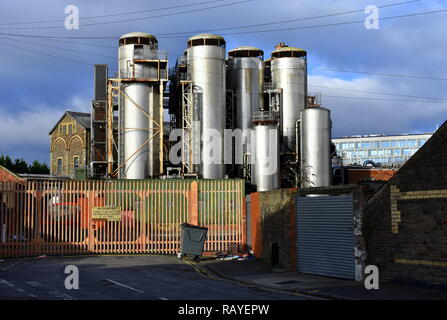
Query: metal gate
x=55, y=217
x=325, y=236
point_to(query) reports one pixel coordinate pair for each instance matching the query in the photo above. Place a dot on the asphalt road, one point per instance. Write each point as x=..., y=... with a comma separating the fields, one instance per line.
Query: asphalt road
x=121, y=278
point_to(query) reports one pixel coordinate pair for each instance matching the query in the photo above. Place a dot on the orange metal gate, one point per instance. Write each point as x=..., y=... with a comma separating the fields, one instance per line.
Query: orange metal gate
x=55, y=217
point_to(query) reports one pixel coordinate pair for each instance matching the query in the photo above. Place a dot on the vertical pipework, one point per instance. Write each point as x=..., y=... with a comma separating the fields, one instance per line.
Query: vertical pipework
x=206, y=71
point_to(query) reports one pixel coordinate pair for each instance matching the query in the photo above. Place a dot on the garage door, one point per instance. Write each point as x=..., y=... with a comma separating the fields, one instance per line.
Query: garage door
x=325, y=238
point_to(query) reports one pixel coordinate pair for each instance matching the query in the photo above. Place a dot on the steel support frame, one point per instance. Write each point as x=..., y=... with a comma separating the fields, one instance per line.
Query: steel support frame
x=114, y=91
x=187, y=128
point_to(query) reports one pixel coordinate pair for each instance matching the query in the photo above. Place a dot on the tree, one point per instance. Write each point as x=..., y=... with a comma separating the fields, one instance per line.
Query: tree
x=6, y=162
x=39, y=168
x=19, y=166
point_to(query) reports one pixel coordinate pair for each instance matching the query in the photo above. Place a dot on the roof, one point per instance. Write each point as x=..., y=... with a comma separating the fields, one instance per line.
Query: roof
x=82, y=117
x=206, y=36
x=137, y=34
x=289, y=49
x=372, y=136
x=245, y=48
x=29, y=176
x=7, y=175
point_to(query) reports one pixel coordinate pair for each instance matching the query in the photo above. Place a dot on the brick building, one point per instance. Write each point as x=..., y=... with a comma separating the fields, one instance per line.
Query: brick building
x=8, y=176
x=405, y=223
x=70, y=143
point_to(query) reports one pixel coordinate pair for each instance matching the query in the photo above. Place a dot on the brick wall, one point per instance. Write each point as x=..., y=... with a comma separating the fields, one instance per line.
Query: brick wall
x=273, y=222
x=356, y=175
x=6, y=175
x=405, y=223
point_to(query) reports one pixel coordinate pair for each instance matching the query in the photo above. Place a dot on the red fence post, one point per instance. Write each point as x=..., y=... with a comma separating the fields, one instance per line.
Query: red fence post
x=193, y=214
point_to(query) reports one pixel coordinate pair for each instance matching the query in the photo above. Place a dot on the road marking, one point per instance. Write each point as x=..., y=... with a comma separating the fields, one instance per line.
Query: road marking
x=162, y=298
x=20, y=290
x=61, y=295
x=32, y=295
x=34, y=284
x=124, y=286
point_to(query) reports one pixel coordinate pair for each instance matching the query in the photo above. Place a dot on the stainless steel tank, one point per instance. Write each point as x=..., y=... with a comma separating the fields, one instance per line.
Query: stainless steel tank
x=206, y=71
x=289, y=73
x=265, y=162
x=246, y=79
x=315, y=146
x=141, y=156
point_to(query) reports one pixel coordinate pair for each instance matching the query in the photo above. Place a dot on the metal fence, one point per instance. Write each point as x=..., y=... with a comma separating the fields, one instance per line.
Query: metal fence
x=55, y=217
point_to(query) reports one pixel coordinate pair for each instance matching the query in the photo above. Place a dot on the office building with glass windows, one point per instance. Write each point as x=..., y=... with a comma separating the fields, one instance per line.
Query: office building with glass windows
x=388, y=150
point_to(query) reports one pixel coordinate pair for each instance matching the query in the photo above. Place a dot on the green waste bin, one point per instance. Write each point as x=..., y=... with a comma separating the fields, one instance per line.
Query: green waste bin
x=192, y=241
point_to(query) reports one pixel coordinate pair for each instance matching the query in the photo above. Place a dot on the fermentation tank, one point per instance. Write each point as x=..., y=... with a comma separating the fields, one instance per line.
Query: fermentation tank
x=206, y=71
x=265, y=169
x=246, y=79
x=138, y=152
x=315, y=145
x=289, y=73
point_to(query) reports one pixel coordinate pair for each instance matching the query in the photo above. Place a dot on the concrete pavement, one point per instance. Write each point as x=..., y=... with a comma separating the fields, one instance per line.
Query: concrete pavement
x=258, y=273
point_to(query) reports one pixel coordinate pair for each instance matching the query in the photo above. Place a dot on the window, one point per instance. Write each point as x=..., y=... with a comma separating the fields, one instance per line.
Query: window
x=412, y=143
x=366, y=145
x=76, y=162
x=402, y=143
x=385, y=144
x=59, y=165
x=422, y=141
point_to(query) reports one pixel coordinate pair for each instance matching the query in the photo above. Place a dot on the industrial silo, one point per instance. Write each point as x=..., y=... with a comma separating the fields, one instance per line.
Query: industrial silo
x=206, y=71
x=315, y=146
x=265, y=157
x=139, y=97
x=246, y=80
x=289, y=74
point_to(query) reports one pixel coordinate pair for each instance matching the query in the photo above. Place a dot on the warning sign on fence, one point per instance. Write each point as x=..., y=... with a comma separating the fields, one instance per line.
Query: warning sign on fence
x=106, y=213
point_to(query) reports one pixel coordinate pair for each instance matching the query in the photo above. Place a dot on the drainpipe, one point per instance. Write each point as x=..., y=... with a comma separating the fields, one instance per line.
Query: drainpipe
x=297, y=141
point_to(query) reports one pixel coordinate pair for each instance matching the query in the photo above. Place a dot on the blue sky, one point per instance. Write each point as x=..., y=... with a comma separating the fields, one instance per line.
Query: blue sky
x=36, y=89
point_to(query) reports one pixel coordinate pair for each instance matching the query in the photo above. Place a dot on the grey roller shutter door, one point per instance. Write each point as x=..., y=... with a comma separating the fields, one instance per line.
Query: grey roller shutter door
x=325, y=237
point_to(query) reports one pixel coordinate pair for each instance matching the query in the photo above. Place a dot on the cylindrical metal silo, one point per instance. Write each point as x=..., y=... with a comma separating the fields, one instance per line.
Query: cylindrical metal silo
x=315, y=146
x=246, y=79
x=289, y=73
x=140, y=154
x=206, y=71
x=265, y=162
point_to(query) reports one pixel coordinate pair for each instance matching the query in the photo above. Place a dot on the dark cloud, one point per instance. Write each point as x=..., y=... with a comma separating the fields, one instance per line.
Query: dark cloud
x=37, y=89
